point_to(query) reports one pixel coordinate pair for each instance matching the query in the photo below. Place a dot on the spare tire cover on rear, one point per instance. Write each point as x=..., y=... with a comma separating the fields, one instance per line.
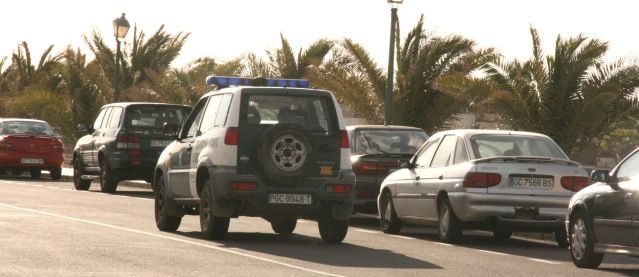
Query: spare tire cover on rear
x=284, y=152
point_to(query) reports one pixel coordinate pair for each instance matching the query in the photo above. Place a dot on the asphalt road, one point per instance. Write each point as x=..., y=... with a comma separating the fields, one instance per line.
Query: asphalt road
x=50, y=229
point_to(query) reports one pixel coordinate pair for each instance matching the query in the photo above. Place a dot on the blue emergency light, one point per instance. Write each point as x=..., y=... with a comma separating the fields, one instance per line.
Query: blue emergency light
x=224, y=81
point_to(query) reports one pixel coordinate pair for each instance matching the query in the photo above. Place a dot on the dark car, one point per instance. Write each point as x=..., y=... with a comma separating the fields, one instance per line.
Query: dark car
x=30, y=145
x=123, y=143
x=604, y=217
x=375, y=153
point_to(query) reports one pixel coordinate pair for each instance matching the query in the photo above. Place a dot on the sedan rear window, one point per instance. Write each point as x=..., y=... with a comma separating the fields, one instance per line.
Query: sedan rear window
x=25, y=127
x=387, y=141
x=486, y=146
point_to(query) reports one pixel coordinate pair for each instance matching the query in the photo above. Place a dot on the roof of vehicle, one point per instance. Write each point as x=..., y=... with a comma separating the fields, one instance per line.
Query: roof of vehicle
x=23, y=119
x=258, y=89
x=471, y=132
x=383, y=127
x=125, y=104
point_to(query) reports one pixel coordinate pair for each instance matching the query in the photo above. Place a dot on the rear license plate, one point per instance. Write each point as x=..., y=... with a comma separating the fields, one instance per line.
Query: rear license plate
x=531, y=183
x=283, y=198
x=160, y=143
x=31, y=161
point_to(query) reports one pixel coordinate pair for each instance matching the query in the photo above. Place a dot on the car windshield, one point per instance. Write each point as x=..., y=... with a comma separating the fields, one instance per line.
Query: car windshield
x=154, y=116
x=494, y=145
x=25, y=127
x=387, y=141
x=311, y=112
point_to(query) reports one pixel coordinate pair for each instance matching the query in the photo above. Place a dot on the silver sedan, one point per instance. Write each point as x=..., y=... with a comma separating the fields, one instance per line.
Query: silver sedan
x=502, y=181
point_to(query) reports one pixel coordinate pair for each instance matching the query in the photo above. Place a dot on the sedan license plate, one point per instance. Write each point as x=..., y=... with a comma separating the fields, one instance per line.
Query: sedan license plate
x=160, y=143
x=531, y=183
x=283, y=198
x=31, y=161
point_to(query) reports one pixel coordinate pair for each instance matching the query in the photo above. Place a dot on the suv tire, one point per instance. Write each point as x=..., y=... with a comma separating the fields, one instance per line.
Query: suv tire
x=284, y=226
x=387, y=215
x=108, y=180
x=332, y=230
x=55, y=173
x=284, y=153
x=163, y=206
x=213, y=227
x=78, y=182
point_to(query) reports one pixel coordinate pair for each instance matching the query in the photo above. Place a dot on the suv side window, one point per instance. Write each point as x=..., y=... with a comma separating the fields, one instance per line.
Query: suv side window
x=190, y=128
x=426, y=155
x=98, y=121
x=444, y=152
x=222, y=113
x=208, y=118
x=116, y=114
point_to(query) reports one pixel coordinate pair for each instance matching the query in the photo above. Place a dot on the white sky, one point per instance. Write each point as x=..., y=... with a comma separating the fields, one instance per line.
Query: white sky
x=227, y=29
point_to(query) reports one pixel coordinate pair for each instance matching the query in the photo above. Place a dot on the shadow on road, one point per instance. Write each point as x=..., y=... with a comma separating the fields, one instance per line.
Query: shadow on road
x=312, y=249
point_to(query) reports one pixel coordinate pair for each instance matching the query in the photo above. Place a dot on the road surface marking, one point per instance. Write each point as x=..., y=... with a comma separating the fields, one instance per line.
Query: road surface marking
x=367, y=231
x=218, y=248
x=493, y=252
x=52, y=187
x=304, y=221
x=402, y=237
x=543, y=261
x=444, y=244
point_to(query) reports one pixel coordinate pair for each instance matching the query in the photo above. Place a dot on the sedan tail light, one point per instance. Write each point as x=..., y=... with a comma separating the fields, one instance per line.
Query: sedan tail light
x=6, y=145
x=574, y=183
x=339, y=188
x=365, y=168
x=481, y=180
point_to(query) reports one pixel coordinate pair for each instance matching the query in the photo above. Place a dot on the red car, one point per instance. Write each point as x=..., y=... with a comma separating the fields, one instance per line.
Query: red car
x=29, y=145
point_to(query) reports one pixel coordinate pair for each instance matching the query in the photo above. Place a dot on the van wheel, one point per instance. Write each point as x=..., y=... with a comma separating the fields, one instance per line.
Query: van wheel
x=387, y=215
x=450, y=228
x=108, y=180
x=284, y=153
x=163, y=205
x=213, y=227
x=582, y=243
x=284, y=227
x=78, y=183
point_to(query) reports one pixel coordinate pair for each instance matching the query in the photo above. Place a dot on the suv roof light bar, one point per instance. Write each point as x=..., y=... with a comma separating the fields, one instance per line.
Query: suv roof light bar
x=224, y=81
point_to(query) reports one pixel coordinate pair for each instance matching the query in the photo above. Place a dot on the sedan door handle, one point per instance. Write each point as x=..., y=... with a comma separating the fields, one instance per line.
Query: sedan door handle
x=416, y=177
x=188, y=148
x=440, y=177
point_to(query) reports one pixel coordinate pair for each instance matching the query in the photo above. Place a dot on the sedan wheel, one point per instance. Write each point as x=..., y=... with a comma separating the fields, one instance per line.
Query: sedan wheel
x=388, y=217
x=450, y=228
x=582, y=244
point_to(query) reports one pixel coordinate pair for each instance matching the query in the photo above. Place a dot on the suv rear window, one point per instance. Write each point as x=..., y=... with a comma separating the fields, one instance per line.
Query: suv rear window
x=314, y=113
x=154, y=116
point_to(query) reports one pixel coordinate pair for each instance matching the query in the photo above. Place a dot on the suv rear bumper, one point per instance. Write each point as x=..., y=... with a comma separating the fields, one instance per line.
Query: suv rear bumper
x=232, y=203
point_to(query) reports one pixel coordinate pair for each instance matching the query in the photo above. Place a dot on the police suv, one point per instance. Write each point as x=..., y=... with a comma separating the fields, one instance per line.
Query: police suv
x=270, y=148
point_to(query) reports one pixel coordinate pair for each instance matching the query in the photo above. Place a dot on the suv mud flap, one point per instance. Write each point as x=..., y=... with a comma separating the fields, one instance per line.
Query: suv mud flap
x=341, y=211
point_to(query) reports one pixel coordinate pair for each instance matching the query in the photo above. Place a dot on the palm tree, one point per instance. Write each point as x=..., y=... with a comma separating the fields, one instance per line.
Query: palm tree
x=22, y=74
x=572, y=96
x=284, y=64
x=424, y=64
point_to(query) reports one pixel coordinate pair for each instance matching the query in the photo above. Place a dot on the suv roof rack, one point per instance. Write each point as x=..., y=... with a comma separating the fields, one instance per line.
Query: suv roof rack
x=224, y=81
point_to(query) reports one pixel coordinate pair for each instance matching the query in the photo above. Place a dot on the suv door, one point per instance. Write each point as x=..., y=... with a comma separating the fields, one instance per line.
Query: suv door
x=87, y=148
x=107, y=130
x=180, y=166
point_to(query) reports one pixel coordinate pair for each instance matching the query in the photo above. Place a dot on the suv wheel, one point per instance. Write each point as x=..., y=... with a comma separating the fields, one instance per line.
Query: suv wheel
x=450, y=228
x=78, y=182
x=582, y=244
x=284, y=226
x=284, y=152
x=108, y=180
x=55, y=173
x=332, y=230
x=213, y=227
x=35, y=174
x=163, y=206
x=388, y=217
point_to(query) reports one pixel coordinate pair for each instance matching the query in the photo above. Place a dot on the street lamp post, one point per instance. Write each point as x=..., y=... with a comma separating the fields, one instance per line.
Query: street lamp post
x=391, y=62
x=120, y=28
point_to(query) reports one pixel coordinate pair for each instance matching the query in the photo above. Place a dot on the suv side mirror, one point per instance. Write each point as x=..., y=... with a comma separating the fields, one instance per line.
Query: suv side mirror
x=404, y=164
x=84, y=129
x=170, y=129
x=600, y=176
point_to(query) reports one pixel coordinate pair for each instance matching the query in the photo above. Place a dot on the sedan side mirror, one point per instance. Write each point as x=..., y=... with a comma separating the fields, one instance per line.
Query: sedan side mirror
x=404, y=164
x=600, y=176
x=170, y=129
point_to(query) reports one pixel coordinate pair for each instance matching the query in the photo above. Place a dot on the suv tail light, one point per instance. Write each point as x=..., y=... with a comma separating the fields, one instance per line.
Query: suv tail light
x=339, y=188
x=574, y=183
x=243, y=186
x=343, y=139
x=481, y=180
x=128, y=142
x=231, y=136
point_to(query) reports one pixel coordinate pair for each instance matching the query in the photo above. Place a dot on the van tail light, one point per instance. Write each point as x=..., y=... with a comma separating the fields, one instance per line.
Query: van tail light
x=574, y=183
x=343, y=139
x=231, y=136
x=243, y=186
x=481, y=180
x=339, y=188
x=128, y=142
